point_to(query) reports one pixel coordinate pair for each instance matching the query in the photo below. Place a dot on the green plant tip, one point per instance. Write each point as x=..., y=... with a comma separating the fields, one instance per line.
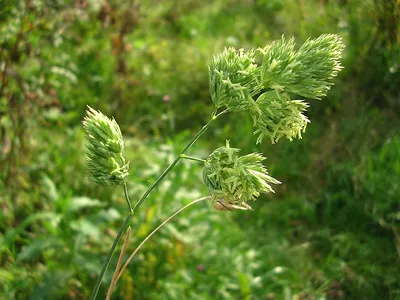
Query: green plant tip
x=105, y=148
x=234, y=180
x=233, y=78
x=308, y=71
x=266, y=90
x=275, y=116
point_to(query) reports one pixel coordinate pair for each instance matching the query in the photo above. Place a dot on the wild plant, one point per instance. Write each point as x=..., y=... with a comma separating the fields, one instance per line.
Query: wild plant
x=272, y=92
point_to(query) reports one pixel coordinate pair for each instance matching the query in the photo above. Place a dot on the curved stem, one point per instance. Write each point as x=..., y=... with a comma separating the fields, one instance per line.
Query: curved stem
x=144, y=197
x=178, y=157
x=108, y=259
x=155, y=230
x=118, y=267
x=127, y=198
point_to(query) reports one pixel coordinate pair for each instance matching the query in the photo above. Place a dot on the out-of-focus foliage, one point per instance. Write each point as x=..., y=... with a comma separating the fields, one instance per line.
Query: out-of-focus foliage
x=330, y=231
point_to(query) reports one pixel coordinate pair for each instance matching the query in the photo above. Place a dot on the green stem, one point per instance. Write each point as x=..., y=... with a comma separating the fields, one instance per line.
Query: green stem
x=127, y=198
x=144, y=197
x=192, y=158
x=178, y=157
x=154, y=231
x=108, y=259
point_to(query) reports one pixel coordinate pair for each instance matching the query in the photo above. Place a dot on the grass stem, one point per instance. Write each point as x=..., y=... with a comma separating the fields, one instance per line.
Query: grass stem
x=144, y=197
x=155, y=230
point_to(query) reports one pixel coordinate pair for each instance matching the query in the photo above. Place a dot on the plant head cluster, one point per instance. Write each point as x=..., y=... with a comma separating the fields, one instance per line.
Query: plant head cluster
x=237, y=83
x=308, y=71
x=234, y=78
x=234, y=180
x=105, y=149
x=266, y=91
x=275, y=116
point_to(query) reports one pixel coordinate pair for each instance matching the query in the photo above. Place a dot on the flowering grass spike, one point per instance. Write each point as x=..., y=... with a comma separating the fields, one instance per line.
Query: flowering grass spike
x=276, y=115
x=105, y=149
x=266, y=90
x=234, y=77
x=307, y=72
x=234, y=180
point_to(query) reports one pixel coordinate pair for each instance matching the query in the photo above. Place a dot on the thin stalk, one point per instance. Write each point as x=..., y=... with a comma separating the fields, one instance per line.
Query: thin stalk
x=192, y=158
x=214, y=116
x=127, y=198
x=155, y=230
x=109, y=256
x=176, y=160
x=118, y=267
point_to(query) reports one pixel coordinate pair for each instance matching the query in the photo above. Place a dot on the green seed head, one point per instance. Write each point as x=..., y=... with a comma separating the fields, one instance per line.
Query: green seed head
x=275, y=116
x=105, y=148
x=234, y=180
x=233, y=79
x=308, y=71
x=238, y=84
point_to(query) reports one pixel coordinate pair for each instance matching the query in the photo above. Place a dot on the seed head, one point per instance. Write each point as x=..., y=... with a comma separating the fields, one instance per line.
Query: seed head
x=308, y=72
x=265, y=91
x=233, y=180
x=105, y=148
x=275, y=116
x=234, y=78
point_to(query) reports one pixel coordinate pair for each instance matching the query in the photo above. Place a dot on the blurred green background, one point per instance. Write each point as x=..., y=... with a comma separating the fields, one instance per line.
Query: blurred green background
x=331, y=231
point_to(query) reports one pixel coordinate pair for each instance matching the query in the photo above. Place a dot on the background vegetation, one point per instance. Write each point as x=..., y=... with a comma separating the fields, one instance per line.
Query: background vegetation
x=331, y=231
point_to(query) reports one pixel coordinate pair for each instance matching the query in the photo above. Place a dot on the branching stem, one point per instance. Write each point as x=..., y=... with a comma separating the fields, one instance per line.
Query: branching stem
x=154, y=231
x=127, y=198
x=176, y=160
x=109, y=256
x=145, y=196
x=184, y=156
